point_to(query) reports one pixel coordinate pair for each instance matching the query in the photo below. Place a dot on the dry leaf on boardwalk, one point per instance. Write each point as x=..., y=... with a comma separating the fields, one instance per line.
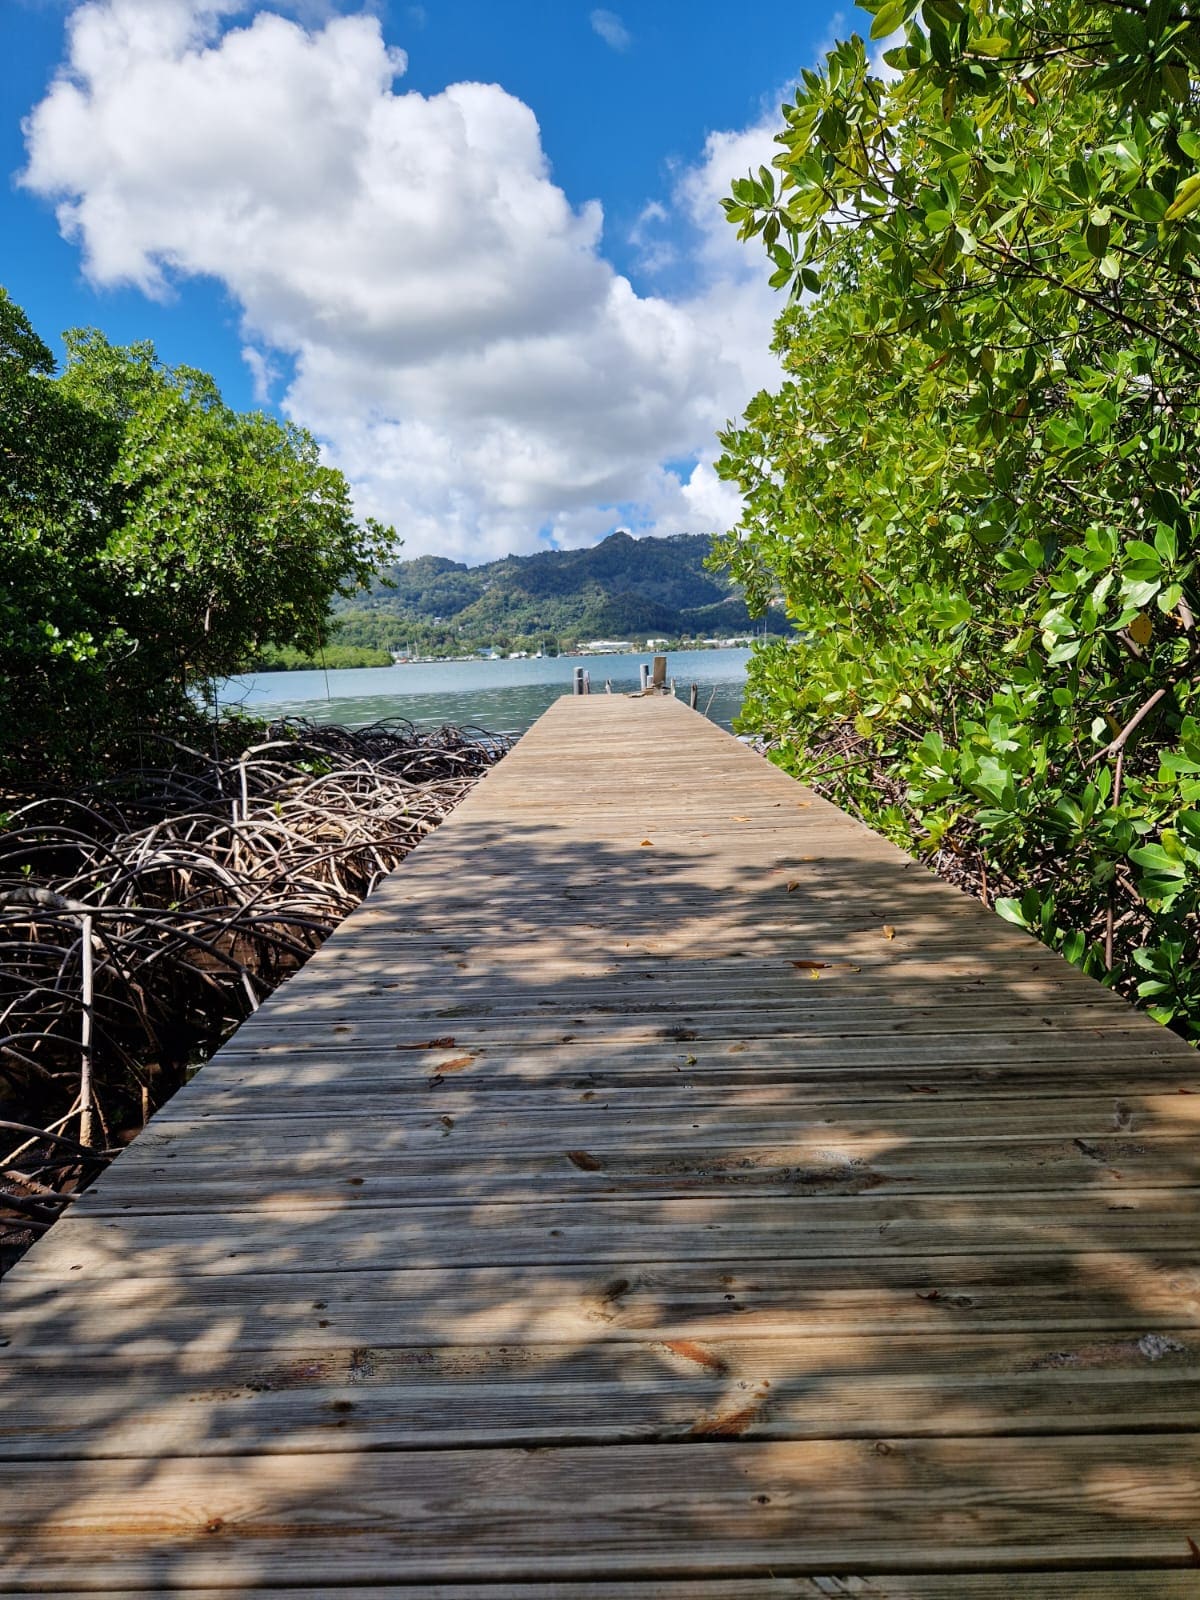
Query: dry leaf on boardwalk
x=456, y=1064
x=690, y=1351
x=729, y=1426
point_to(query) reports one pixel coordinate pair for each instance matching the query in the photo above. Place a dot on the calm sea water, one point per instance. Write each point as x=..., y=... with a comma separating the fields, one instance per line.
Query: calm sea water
x=501, y=696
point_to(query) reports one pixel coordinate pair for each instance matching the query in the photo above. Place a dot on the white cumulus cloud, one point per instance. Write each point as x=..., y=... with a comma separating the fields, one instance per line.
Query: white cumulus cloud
x=451, y=328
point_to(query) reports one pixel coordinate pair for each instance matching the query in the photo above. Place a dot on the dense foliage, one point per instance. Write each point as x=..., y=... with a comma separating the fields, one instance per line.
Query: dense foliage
x=977, y=489
x=150, y=539
x=622, y=588
x=328, y=658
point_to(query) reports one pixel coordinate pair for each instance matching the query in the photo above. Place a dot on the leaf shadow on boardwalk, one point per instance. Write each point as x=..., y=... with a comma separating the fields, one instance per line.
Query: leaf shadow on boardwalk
x=594, y=1208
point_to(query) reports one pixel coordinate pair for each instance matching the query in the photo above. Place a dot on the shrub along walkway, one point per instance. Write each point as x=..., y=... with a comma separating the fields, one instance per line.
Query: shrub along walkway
x=659, y=1187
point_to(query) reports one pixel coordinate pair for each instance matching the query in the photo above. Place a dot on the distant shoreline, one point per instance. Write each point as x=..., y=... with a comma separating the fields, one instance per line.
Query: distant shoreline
x=438, y=661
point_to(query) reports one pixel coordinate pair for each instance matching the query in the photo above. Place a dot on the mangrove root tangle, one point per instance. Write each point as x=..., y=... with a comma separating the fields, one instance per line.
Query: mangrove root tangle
x=142, y=920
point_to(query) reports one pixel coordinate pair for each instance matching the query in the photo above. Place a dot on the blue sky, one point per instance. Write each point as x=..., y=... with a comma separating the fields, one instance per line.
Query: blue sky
x=511, y=311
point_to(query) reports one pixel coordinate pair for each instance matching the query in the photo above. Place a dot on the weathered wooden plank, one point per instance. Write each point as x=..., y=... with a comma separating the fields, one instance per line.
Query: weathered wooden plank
x=536, y=1121
x=325, y=1173
x=471, y=1232
x=794, y=1015
x=647, y=994
x=1042, y=1585
x=963, y=1297
x=890, y=1056
x=313, y=1400
x=954, y=1035
x=376, y=1084
x=696, y=930
x=734, y=1506
x=743, y=1059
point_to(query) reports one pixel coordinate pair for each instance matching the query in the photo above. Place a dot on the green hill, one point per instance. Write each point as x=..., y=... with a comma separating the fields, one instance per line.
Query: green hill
x=623, y=588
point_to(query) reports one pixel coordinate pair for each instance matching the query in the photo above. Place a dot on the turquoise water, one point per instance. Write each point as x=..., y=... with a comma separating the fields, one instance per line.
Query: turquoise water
x=501, y=696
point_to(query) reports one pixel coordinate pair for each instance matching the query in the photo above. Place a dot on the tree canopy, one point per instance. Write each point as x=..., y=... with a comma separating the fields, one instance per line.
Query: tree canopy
x=977, y=488
x=150, y=538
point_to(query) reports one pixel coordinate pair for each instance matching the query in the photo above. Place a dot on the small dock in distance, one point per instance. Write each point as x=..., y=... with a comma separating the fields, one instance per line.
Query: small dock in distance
x=660, y=1189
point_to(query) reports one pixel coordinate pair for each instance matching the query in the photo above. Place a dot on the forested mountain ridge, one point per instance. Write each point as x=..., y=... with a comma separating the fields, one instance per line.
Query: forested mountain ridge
x=621, y=588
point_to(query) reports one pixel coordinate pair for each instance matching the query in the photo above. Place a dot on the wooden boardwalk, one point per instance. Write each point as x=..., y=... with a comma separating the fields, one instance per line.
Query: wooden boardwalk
x=660, y=1188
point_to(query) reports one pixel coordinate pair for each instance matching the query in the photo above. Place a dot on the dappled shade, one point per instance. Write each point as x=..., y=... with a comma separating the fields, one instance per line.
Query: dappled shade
x=659, y=1187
